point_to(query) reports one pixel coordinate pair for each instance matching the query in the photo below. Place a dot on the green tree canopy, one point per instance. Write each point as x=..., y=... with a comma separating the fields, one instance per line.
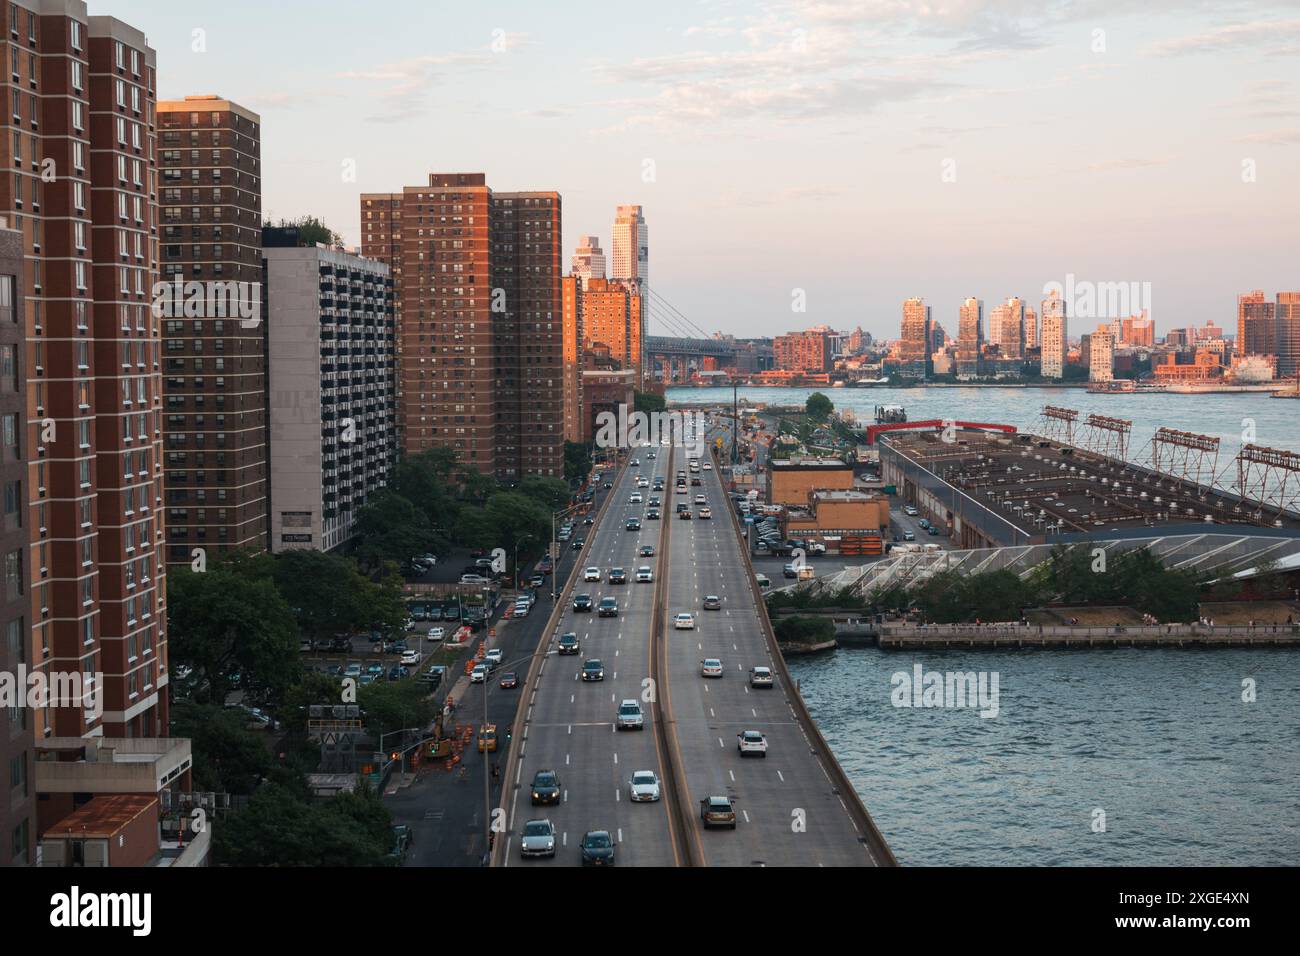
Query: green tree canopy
x=818, y=406
x=228, y=756
x=390, y=528
x=311, y=230
x=281, y=828
x=648, y=402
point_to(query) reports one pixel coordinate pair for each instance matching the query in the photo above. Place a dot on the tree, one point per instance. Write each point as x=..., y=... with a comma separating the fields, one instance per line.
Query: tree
x=225, y=622
x=818, y=406
x=577, y=459
x=281, y=828
x=477, y=487
x=551, y=492
x=396, y=704
x=513, y=516
x=428, y=481
x=311, y=230
x=804, y=630
x=648, y=402
x=228, y=757
x=330, y=596
x=390, y=528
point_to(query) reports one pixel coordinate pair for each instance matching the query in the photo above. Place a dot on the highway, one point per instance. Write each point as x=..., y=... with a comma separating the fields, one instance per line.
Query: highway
x=569, y=724
x=788, y=810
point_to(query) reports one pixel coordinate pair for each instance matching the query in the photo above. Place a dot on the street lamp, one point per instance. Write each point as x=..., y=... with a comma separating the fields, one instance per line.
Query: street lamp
x=555, y=552
x=487, y=776
x=520, y=540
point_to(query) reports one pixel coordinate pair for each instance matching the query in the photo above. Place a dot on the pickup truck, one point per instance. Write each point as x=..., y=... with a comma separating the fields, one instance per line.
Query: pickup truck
x=718, y=812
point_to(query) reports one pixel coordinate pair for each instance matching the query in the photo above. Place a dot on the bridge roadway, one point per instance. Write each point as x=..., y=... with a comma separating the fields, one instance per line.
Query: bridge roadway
x=569, y=726
x=789, y=812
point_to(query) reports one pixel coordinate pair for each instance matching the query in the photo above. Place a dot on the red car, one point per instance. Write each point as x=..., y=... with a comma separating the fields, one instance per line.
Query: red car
x=509, y=681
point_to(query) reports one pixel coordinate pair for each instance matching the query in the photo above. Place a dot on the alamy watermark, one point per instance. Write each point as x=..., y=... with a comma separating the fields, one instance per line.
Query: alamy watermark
x=632, y=429
x=952, y=689
x=37, y=690
x=209, y=300
x=1101, y=300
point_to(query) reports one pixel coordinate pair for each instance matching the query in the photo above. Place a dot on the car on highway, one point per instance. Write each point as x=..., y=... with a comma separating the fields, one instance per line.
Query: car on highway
x=718, y=811
x=654, y=502
x=537, y=839
x=633, y=524
x=608, y=607
x=707, y=467
x=909, y=510
x=582, y=603
x=644, y=787
x=537, y=581
x=479, y=674
x=436, y=633
x=635, y=463
x=909, y=536
x=751, y=743
x=591, y=574
x=652, y=514
x=705, y=514
x=644, y=575
x=760, y=677
x=494, y=657
x=684, y=514
x=684, y=622
x=410, y=657
x=643, y=482
x=630, y=716
x=509, y=680
x=710, y=667
x=568, y=643
x=546, y=788
x=712, y=602
x=597, y=848
x=522, y=608
x=577, y=544
x=647, y=551
x=593, y=669
x=700, y=500
x=764, y=582
x=589, y=520
x=617, y=576
x=634, y=498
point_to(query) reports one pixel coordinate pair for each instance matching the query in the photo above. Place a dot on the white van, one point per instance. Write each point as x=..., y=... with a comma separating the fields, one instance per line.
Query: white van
x=763, y=581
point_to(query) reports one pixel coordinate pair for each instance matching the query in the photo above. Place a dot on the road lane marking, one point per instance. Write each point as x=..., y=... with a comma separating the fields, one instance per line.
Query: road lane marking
x=781, y=775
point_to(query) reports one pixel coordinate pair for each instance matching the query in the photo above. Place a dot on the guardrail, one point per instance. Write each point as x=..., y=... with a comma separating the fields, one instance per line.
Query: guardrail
x=871, y=835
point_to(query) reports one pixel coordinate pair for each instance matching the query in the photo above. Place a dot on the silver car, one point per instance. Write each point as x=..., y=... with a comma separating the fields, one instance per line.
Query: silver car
x=644, y=786
x=538, y=839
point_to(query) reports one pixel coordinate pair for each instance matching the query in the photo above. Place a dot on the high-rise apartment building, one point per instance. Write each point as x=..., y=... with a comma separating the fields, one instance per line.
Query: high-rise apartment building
x=1032, y=336
x=1286, y=338
x=970, y=337
x=83, y=91
x=214, y=337
x=807, y=351
x=915, y=346
x=632, y=249
x=1007, y=328
x=18, y=805
x=1055, y=342
x=571, y=297
x=588, y=259
x=477, y=285
x=1256, y=324
x=333, y=428
x=611, y=316
x=1137, y=330
x=1101, y=355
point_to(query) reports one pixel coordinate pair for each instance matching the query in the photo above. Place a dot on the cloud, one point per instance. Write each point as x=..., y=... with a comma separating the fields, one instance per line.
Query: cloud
x=1131, y=162
x=1277, y=137
x=1257, y=35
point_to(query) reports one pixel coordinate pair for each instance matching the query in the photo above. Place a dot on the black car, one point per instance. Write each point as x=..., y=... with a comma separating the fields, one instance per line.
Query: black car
x=568, y=643
x=546, y=787
x=608, y=608
x=592, y=669
x=652, y=514
x=633, y=524
x=582, y=602
x=617, y=576
x=589, y=520
x=647, y=550
x=577, y=544
x=597, y=848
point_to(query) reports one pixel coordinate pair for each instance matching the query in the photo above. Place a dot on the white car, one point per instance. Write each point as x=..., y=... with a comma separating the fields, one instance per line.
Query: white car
x=644, y=576
x=436, y=633
x=643, y=483
x=635, y=499
x=591, y=574
x=707, y=467
x=411, y=657
x=710, y=667
x=751, y=742
x=494, y=656
x=522, y=608
x=644, y=786
x=760, y=677
x=700, y=500
x=478, y=675
x=684, y=622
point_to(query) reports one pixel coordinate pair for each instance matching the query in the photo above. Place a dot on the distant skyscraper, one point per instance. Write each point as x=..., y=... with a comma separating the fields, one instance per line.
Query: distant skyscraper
x=1054, y=336
x=1287, y=336
x=1032, y=337
x=1007, y=328
x=611, y=316
x=915, y=344
x=808, y=351
x=632, y=248
x=970, y=337
x=571, y=297
x=1101, y=355
x=589, y=259
x=1256, y=324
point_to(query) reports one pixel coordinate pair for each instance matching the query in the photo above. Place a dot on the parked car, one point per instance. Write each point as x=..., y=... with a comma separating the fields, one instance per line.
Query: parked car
x=410, y=657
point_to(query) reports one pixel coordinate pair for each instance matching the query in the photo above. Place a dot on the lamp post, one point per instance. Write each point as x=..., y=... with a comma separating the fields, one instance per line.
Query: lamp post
x=518, y=542
x=487, y=775
x=555, y=552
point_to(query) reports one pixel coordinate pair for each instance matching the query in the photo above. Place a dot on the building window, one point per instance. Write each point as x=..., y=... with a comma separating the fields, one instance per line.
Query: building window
x=14, y=575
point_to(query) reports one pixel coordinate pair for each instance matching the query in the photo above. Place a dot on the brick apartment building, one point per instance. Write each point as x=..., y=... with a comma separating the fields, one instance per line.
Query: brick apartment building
x=808, y=351
x=83, y=92
x=214, y=357
x=479, y=314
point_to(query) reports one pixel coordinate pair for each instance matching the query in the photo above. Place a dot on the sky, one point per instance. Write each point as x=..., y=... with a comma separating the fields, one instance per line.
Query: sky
x=800, y=162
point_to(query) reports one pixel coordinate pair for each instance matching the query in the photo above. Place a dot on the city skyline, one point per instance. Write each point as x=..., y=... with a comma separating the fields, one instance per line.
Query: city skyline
x=777, y=130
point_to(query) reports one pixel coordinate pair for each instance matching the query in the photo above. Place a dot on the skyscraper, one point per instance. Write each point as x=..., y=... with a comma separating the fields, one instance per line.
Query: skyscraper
x=215, y=427
x=1287, y=337
x=572, y=330
x=1256, y=324
x=1007, y=328
x=970, y=337
x=1101, y=355
x=808, y=351
x=612, y=317
x=477, y=286
x=588, y=259
x=632, y=248
x=1054, y=336
x=1032, y=335
x=914, y=346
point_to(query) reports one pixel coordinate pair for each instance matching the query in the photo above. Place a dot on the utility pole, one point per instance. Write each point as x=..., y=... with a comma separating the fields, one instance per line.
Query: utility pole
x=735, y=423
